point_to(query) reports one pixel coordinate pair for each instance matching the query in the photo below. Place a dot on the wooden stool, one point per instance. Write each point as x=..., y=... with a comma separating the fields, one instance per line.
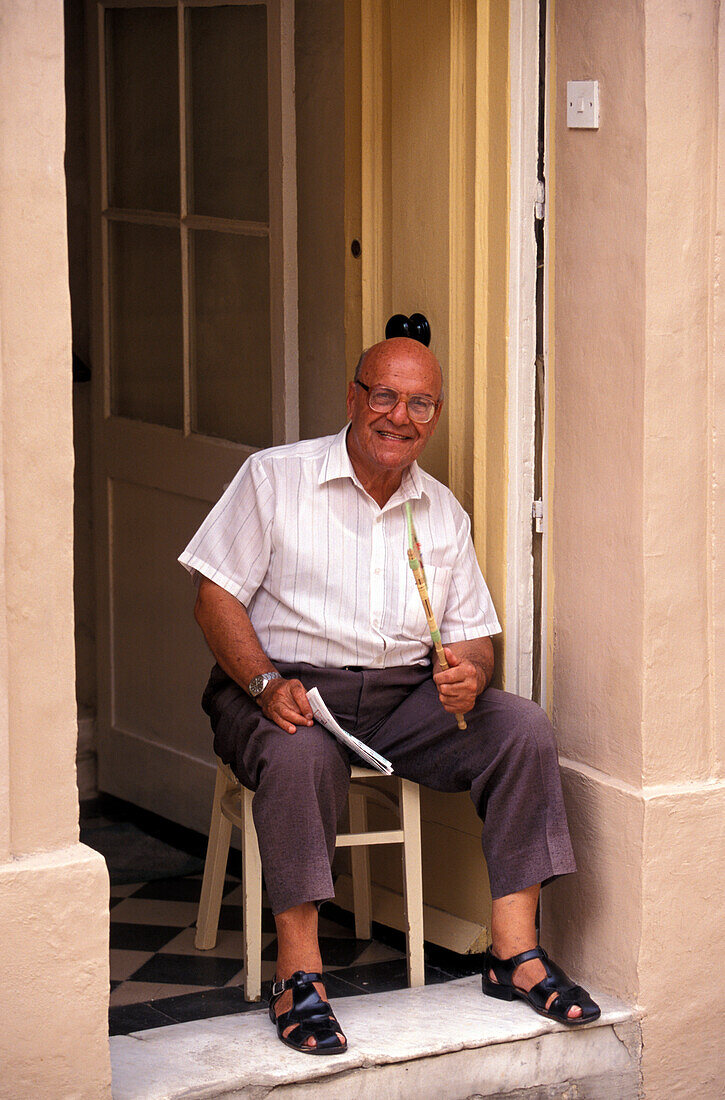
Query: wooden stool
x=232, y=805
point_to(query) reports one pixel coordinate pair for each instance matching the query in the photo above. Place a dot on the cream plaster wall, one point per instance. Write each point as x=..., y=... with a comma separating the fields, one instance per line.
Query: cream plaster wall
x=637, y=538
x=681, y=90
x=600, y=227
x=53, y=891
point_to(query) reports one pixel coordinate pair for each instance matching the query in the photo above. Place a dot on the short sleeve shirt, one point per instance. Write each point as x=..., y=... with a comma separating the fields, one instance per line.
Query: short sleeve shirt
x=323, y=570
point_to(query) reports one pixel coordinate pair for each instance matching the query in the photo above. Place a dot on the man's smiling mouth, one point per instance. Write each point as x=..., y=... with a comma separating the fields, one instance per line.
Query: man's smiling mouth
x=393, y=435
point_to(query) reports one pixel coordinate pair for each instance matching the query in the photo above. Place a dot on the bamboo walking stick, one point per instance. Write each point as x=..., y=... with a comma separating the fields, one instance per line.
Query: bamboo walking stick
x=415, y=561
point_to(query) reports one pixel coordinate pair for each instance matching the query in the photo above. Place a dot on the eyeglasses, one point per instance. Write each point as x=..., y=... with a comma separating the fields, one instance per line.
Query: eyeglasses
x=381, y=399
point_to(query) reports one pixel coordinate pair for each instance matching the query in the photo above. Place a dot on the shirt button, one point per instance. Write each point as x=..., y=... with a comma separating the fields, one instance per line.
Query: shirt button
x=378, y=572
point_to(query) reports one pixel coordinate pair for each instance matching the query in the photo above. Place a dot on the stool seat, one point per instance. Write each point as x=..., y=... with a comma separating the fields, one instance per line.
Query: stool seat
x=232, y=806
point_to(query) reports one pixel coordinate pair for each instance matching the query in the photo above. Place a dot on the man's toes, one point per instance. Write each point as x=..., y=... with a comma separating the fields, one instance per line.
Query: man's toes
x=574, y=1012
x=288, y=1031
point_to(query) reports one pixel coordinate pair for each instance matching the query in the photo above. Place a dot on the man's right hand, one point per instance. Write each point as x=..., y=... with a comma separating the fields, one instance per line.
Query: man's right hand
x=285, y=702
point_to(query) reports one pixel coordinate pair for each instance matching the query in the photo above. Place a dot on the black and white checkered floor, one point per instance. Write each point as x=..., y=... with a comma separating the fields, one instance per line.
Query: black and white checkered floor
x=159, y=978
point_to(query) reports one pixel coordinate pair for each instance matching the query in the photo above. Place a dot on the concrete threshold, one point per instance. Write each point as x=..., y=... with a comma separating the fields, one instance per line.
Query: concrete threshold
x=443, y=1042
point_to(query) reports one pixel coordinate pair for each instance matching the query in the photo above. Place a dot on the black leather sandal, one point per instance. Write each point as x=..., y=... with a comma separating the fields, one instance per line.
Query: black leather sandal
x=313, y=1016
x=556, y=981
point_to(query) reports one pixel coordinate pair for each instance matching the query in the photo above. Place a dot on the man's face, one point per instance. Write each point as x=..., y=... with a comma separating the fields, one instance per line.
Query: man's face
x=391, y=441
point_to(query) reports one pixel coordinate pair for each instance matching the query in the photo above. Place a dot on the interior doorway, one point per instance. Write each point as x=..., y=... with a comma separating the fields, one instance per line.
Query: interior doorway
x=171, y=227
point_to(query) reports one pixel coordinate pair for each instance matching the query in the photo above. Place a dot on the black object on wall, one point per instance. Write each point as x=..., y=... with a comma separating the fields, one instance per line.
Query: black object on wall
x=416, y=327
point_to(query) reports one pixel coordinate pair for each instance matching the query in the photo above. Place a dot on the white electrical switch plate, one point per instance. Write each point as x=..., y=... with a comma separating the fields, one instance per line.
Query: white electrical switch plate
x=582, y=104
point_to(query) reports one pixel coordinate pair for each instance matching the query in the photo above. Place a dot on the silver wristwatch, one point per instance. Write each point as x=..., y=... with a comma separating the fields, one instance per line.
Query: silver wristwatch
x=259, y=683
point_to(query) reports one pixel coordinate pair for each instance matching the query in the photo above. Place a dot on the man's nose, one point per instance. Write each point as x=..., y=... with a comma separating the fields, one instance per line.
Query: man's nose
x=399, y=413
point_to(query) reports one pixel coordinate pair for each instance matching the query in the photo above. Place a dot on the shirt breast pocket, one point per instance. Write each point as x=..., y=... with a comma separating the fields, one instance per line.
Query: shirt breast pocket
x=438, y=579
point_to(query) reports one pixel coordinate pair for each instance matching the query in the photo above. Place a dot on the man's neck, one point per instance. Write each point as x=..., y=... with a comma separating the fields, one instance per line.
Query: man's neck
x=378, y=484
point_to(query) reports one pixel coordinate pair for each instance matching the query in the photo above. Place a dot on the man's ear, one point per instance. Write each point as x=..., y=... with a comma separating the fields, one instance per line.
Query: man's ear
x=350, y=400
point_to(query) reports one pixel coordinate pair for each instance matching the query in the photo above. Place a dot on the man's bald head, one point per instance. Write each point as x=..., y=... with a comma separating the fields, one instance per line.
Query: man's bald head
x=387, y=352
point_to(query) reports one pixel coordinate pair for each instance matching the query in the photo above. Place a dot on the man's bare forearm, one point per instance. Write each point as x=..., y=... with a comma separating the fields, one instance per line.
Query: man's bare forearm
x=479, y=651
x=229, y=633
x=234, y=642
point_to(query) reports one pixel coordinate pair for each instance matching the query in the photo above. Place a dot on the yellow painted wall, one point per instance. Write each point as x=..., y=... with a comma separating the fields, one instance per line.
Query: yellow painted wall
x=490, y=447
x=427, y=195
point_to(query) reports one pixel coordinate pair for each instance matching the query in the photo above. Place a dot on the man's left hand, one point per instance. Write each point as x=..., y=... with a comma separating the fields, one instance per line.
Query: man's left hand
x=458, y=685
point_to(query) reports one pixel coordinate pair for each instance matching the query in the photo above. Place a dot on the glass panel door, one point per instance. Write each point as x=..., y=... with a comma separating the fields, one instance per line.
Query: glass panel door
x=190, y=232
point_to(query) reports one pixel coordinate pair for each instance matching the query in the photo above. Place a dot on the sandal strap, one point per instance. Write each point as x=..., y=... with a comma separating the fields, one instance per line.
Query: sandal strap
x=504, y=968
x=299, y=978
x=534, y=953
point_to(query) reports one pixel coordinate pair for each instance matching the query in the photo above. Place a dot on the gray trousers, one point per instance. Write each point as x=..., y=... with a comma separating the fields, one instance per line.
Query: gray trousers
x=506, y=759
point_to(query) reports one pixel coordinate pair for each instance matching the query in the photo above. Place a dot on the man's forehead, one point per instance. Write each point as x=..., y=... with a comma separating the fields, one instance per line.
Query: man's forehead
x=400, y=359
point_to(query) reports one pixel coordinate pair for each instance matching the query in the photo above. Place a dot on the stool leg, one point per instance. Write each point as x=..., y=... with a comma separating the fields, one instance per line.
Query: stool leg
x=360, y=864
x=412, y=879
x=215, y=867
x=252, y=902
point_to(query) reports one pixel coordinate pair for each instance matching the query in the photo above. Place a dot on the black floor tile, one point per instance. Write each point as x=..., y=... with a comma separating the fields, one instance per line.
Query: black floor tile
x=188, y=970
x=141, y=937
x=230, y=918
x=458, y=966
x=124, y=1019
x=385, y=976
x=335, y=951
x=210, y=1002
x=114, y=901
x=177, y=889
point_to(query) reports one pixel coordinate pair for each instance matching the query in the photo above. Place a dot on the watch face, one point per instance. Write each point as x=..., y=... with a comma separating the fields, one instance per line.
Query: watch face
x=259, y=683
x=256, y=686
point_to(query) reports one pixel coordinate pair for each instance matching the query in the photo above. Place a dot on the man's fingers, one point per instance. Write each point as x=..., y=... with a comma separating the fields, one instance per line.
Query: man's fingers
x=289, y=710
x=287, y=705
x=302, y=702
x=451, y=657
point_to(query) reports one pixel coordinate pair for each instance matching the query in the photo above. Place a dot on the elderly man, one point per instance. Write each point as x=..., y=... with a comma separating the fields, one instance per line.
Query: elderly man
x=302, y=582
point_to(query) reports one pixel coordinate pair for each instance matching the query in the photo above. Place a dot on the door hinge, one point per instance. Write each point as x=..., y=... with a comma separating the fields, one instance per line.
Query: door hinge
x=537, y=514
x=540, y=203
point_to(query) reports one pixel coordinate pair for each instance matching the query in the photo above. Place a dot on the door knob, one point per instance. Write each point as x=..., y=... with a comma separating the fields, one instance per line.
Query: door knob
x=415, y=327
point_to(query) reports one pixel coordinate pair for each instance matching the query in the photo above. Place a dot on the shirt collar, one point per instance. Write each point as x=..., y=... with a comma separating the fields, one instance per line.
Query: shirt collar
x=336, y=464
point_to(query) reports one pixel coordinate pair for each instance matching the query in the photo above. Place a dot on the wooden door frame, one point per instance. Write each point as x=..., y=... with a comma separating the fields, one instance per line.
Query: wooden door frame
x=523, y=139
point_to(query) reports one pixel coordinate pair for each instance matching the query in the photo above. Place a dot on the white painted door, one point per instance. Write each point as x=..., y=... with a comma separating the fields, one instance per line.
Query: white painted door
x=195, y=346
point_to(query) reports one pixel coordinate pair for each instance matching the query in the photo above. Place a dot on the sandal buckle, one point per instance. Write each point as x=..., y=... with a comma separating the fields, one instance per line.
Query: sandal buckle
x=278, y=988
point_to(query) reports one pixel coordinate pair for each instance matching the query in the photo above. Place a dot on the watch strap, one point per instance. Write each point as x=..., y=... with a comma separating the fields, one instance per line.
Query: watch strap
x=258, y=683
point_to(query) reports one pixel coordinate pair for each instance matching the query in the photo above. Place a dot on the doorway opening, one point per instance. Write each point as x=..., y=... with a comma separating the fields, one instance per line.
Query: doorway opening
x=182, y=247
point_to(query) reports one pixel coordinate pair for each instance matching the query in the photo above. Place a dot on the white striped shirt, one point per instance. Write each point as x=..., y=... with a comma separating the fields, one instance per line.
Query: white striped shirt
x=323, y=570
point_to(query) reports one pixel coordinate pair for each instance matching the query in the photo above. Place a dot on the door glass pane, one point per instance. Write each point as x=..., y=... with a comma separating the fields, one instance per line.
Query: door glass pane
x=227, y=49
x=233, y=388
x=143, y=109
x=146, y=330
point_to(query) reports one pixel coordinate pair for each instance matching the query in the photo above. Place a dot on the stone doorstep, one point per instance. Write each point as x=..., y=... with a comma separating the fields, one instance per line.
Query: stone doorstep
x=444, y=1042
